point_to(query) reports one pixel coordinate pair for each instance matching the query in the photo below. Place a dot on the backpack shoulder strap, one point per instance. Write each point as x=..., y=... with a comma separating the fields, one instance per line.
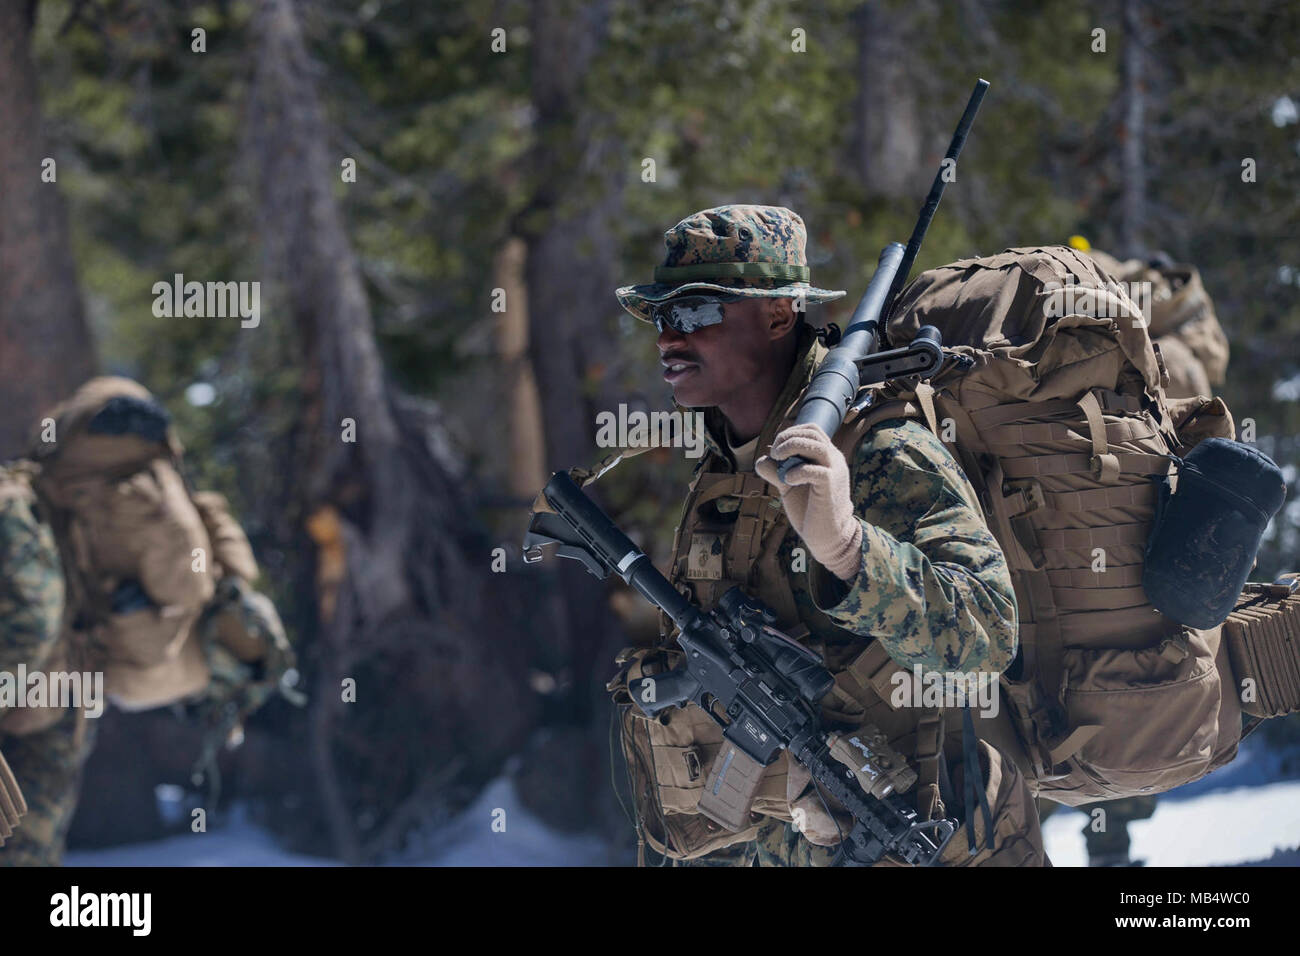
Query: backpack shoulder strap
x=861, y=419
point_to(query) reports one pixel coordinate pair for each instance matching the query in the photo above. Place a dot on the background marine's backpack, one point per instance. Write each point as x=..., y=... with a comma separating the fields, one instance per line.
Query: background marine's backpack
x=1182, y=321
x=158, y=580
x=1059, y=421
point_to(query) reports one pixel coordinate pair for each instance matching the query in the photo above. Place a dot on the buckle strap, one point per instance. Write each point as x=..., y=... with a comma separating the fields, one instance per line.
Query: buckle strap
x=1074, y=742
x=976, y=792
x=742, y=484
x=874, y=668
x=929, y=756
x=1104, y=465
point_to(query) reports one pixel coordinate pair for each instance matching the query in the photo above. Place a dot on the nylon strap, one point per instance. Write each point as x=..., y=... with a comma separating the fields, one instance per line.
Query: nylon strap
x=1016, y=436
x=1140, y=495
x=1120, y=576
x=976, y=792
x=874, y=668
x=1038, y=466
x=585, y=476
x=1104, y=465
x=1074, y=742
x=742, y=485
x=1085, y=539
x=986, y=418
x=929, y=755
x=1101, y=599
x=1048, y=645
x=925, y=395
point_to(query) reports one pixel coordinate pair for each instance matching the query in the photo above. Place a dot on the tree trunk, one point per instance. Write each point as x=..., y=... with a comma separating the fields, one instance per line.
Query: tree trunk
x=430, y=640
x=887, y=137
x=1133, y=211
x=525, y=471
x=45, y=347
x=572, y=256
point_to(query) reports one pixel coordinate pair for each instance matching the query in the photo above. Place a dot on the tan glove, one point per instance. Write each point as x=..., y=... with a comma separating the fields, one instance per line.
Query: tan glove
x=816, y=498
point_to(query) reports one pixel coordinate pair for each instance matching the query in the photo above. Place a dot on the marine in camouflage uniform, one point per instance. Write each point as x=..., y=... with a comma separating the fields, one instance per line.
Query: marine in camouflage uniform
x=244, y=650
x=918, y=570
x=46, y=760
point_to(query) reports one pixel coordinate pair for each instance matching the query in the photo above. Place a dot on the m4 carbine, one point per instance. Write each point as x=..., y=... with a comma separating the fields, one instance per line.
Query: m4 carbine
x=760, y=686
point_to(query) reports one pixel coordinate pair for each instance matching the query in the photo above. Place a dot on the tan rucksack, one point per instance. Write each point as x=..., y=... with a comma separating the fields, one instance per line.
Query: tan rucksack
x=1182, y=319
x=1058, y=421
x=143, y=557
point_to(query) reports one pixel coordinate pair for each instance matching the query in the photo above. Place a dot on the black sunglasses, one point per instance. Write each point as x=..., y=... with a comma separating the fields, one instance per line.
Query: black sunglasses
x=689, y=312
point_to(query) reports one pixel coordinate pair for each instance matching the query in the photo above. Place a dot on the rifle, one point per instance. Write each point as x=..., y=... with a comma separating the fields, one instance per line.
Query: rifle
x=766, y=683
x=856, y=359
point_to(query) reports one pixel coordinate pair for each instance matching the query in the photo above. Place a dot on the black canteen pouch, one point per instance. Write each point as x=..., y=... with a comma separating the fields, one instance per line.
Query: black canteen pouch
x=1207, y=533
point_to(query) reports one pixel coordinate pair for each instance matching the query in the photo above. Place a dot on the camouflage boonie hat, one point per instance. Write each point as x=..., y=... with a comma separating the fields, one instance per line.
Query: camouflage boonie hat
x=745, y=251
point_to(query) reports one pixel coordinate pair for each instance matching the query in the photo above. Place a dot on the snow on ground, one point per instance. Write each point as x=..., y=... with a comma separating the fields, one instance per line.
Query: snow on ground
x=1247, y=812
x=468, y=840
x=236, y=843
x=1221, y=827
x=472, y=840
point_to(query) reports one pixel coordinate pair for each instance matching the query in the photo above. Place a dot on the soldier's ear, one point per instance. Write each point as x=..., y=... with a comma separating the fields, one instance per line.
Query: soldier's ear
x=780, y=317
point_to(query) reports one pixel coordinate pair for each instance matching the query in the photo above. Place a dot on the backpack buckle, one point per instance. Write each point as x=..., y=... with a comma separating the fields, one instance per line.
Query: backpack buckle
x=1174, y=648
x=693, y=767
x=1105, y=468
x=1031, y=496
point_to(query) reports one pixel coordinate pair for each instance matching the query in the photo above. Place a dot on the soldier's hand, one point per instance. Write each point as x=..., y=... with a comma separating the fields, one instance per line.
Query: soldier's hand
x=816, y=498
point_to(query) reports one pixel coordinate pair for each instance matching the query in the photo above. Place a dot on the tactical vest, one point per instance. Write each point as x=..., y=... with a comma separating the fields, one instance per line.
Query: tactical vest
x=734, y=532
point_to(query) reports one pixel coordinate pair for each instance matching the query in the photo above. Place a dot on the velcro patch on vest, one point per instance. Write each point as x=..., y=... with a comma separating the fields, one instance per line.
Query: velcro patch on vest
x=704, y=562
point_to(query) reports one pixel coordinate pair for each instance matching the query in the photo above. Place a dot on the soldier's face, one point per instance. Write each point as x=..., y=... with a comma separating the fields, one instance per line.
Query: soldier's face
x=711, y=365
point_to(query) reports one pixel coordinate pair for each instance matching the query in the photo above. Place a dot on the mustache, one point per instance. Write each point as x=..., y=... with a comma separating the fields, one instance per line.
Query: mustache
x=668, y=358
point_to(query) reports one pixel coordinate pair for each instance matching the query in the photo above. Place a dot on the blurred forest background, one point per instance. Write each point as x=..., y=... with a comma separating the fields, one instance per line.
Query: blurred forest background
x=502, y=146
